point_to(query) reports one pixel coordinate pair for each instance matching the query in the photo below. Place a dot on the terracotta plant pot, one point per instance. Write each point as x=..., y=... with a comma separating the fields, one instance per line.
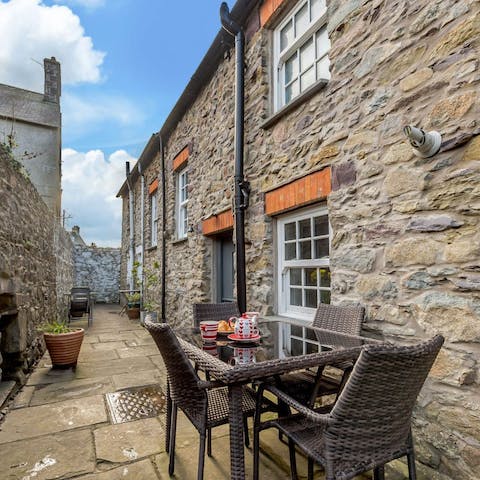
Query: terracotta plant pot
x=64, y=347
x=133, y=313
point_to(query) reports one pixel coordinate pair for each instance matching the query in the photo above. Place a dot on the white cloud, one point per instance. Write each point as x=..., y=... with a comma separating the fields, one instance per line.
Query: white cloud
x=84, y=115
x=91, y=4
x=90, y=183
x=32, y=31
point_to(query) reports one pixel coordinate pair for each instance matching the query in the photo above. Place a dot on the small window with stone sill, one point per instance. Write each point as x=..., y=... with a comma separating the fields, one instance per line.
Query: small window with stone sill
x=300, y=45
x=182, y=203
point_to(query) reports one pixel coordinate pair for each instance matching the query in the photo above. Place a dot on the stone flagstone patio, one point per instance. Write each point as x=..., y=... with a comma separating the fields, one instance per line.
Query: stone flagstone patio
x=58, y=426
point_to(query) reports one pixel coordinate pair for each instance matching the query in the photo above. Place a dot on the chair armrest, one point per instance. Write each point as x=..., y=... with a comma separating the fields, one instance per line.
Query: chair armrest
x=302, y=409
x=207, y=384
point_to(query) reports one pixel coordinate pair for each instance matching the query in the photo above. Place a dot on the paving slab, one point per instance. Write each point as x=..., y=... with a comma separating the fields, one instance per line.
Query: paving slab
x=45, y=375
x=127, y=380
x=62, y=455
x=56, y=417
x=97, y=356
x=129, y=441
x=57, y=392
x=142, y=470
x=116, y=337
x=113, y=367
x=108, y=345
x=141, y=351
x=23, y=397
x=139, y=341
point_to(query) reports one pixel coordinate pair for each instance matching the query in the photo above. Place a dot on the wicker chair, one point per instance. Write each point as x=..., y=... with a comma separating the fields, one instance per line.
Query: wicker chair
x=307, y=386
x=369, y=425
x=214, y=311
x=81, y=302
x=204, y=403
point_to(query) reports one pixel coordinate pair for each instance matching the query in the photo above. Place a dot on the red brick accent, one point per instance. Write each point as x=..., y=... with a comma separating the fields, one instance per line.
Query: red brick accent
x=218, y=223
x=153, y=186
x=303, y=191
x=180, y=160
x=267, y=9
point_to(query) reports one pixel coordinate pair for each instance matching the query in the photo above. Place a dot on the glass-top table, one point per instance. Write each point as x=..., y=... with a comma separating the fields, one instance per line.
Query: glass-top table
x=284, y=346
x=279, y=339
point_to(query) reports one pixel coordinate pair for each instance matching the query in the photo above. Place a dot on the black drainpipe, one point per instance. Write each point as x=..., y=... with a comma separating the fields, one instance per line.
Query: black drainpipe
x=242, y=187
x=164, y=228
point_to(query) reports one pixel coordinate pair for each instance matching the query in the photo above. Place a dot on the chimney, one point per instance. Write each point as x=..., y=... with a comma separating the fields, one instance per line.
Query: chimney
x=76, y=229
x=53, y=80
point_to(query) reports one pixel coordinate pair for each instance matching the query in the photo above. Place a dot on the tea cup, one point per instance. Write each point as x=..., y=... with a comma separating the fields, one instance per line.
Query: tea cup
x=208, y=329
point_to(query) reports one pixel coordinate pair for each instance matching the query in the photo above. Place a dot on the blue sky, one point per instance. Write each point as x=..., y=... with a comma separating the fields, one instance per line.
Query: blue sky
x=124, y=65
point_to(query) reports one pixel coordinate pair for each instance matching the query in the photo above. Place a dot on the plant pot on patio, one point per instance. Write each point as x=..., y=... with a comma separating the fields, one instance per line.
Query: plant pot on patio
x=63, y=343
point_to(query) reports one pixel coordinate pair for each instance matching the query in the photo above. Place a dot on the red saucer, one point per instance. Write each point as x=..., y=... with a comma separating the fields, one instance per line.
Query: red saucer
x=236, y=338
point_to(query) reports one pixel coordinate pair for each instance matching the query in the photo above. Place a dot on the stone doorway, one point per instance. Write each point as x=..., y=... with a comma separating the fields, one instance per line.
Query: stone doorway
x=9, y=335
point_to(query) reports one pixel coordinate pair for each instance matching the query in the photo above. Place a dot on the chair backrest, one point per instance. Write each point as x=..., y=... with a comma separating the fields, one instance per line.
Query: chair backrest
x=214, y=311
x=372, y=417
x=341, y=319
x=182, y=378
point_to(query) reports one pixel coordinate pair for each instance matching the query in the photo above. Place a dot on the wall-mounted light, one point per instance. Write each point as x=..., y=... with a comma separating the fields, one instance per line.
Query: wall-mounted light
x=190, y=229
x=425, y=144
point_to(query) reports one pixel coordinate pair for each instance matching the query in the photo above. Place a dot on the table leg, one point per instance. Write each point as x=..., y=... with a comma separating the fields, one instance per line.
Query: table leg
x=237, y=456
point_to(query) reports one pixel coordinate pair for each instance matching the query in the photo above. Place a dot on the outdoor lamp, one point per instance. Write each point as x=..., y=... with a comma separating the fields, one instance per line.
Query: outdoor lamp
x=425, y=144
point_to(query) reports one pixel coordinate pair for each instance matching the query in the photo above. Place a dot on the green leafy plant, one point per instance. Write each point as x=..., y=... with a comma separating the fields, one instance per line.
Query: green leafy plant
x=133, y=297
x=55, y=327
x=151, y=280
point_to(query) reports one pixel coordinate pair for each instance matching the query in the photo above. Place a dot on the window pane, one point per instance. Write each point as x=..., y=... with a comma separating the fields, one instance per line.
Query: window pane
x=304, y=228
x=310, y=334
x=291, y=91
x=311, y=277
x=297, y=347
x=311, y=348
x=317, y=8
x=320, y=225
x=305, y=249
x=311, y=298
x=296, y=331
x=321, y=248
x=323, y=70
x=286, y=36
x=290, y=231
x=290, y=251
x=323, y=42
x=296, y=297
x=295, y=276
x=324, y=296
x=291, y=68
x=307, y=55
x=302, y=20
x=324, y=277
x=307, y=79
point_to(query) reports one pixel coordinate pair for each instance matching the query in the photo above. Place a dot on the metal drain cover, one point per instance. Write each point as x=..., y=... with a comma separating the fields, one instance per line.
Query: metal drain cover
x=135, y=403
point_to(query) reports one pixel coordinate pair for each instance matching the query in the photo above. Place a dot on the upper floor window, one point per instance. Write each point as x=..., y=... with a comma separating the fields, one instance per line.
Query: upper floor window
x=154, y=219
x=303, y=262
x=182, y=202
x=301, y=46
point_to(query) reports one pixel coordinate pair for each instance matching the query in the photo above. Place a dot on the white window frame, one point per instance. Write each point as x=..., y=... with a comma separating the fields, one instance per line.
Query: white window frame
x=154, y=219
x=182, y=203
x=283, y=266
x=317, y=25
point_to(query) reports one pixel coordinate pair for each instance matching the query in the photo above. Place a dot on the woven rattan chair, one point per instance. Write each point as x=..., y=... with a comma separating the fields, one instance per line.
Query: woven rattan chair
x=81, y=303
x=370, y=423
x=204, y=403
x=307, y=386
x=214, y=311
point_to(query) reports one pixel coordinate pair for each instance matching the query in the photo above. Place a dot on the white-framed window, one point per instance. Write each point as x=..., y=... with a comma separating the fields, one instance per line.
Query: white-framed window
x=301, y=46
x=303, y=240
x=154, y=219
x=182, y=203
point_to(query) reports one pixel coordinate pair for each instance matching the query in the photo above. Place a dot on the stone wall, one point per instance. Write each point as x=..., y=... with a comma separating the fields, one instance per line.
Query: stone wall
x=404, y=230
x=27, y=267
x=64, y=253
x=99, y=269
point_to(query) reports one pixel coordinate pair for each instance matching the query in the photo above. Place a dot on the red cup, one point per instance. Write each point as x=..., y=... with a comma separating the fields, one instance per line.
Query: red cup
x=208, y=329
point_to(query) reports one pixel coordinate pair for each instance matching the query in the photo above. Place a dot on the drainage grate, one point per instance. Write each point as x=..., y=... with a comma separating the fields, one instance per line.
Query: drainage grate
x=135, y=403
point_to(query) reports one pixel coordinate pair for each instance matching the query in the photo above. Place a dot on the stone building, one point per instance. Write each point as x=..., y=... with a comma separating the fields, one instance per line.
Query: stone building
x=340, y=209
x=30, y=122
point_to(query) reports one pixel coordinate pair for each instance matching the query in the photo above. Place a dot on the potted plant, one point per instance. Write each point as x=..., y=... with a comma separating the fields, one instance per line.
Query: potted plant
x=63, y=343
x=133, y=305
x=150, y=306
